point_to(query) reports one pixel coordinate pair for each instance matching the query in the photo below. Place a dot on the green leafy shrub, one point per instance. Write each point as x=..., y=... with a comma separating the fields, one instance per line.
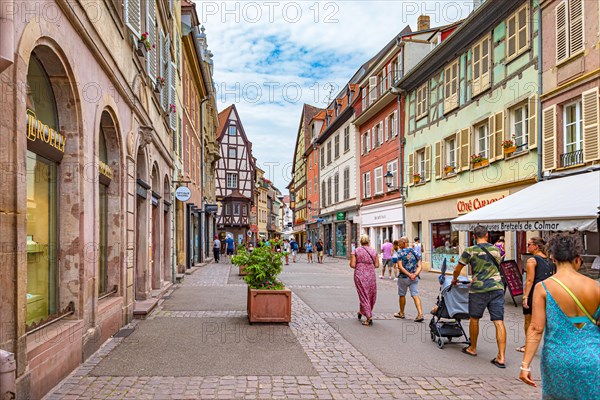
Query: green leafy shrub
x=262, y=267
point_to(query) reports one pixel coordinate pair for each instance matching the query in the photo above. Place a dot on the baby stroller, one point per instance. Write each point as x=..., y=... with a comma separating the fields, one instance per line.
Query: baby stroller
x=452, y=304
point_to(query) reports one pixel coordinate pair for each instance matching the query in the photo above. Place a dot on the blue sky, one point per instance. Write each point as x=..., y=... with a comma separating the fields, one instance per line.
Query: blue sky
x=272, y=57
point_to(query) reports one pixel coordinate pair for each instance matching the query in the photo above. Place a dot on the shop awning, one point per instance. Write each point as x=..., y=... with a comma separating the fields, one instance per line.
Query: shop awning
x=561, y=204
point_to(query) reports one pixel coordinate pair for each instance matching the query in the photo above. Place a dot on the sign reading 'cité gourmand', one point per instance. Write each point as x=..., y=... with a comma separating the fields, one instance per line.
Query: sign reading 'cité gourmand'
x=38, y=131
x=466, y=205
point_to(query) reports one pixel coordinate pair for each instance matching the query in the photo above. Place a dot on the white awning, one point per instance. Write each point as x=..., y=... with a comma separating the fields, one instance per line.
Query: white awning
x=560, y=204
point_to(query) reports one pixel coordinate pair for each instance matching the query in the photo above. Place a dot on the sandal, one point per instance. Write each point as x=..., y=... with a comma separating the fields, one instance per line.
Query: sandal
x=466, y=351
x=368, y=322
x=520, y=349
x=399, y=315
x=420, y=318
x=498, y=364
x=359, y=315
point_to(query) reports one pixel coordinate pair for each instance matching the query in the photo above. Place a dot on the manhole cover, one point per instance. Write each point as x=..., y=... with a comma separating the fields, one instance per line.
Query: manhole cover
x=124, y=332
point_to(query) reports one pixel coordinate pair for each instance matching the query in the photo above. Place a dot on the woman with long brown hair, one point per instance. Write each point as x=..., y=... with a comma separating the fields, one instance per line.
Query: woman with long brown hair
x=538, y=269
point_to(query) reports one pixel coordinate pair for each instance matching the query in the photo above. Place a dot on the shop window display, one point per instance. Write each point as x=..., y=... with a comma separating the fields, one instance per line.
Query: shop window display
x=41, y=238
x=340, y=240
x=444, y=246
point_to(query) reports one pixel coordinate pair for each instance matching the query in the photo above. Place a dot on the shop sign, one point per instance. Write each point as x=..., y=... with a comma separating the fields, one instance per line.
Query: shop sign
x=340, y=216
x=254, y=228
x=466, y=205
x=211, y=208
x=38, y=131
x=183, y=193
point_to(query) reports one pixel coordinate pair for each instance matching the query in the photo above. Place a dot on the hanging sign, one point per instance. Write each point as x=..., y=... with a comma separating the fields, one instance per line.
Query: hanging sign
x=183, y=193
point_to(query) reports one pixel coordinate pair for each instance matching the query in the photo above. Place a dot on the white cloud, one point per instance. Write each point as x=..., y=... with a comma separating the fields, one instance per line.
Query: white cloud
x=270, y=57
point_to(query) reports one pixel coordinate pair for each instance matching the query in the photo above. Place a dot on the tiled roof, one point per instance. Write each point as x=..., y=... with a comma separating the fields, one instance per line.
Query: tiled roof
x=223, y=116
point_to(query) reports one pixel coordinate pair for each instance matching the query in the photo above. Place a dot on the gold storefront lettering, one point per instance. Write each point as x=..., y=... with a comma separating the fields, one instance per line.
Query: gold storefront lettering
x=36, y=130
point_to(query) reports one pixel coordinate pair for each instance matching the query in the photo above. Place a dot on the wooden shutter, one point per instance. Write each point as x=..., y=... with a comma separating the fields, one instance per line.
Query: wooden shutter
x=562, y=37
x=549, y=138
x=511, y=36
x=396, y=123
x=151, y=59
x=368, y=140
x=133, y=16
x=381, y=133
x=484, y=79
x=372, y=89
x=591, y=130
x=500, y=127
x=576, y=29
x=532, y=123
x=438, y=160
x=410, y=169
x=173, y=95
x=476, y=69
x=427, y=163
x=465, y=149
x=386, y=134
x=491, y=138
x=166, y=50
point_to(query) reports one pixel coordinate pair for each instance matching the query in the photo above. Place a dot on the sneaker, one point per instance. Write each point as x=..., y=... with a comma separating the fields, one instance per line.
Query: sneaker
x=395, y=279
x=391, y=278
x=380, y=276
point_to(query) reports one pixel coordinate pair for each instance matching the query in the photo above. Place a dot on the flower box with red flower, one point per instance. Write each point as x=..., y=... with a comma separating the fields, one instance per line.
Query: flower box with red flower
x=416, y=178
x=477, y=161
x=448, y=169
x=509, y=146
x=172, y=108
x=143, y=45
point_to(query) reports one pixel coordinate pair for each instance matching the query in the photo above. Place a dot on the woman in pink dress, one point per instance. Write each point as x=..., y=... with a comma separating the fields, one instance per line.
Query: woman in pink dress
x=364, y=260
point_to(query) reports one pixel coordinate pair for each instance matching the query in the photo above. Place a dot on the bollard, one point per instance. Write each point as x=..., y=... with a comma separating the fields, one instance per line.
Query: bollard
x=8, y=366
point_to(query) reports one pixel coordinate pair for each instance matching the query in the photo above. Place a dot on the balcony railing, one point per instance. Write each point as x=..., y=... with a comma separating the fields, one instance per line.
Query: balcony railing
x=572, y=158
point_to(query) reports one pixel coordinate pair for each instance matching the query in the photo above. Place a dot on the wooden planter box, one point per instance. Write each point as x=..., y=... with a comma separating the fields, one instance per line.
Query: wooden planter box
x=448, y=170
x=269, y=305
x=510, y=150
x=242, y=270
x=416, y=179
x=481, y=164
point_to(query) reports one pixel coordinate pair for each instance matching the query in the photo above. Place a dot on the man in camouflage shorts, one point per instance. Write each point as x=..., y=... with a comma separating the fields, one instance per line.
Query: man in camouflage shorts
x=487, y=291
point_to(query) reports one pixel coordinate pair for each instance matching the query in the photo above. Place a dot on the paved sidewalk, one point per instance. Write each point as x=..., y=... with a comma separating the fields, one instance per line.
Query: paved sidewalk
x=198, y=345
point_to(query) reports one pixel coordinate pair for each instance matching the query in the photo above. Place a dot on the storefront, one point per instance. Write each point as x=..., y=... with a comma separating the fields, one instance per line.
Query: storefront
x=382, y=221
x=339, y=232
x=432, y=223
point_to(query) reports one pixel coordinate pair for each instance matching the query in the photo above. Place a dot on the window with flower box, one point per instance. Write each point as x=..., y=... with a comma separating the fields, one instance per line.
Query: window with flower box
x=482, y=142
x=520, y=126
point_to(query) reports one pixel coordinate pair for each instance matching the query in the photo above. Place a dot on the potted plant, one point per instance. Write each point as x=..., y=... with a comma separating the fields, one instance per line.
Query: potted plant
x=416, y=177
x=300, y=220
x=268, y=299
x=477, y=160
x=172, y=108
x=144, y=45
x=448, y=169
x=160, y=83
x=509, y=145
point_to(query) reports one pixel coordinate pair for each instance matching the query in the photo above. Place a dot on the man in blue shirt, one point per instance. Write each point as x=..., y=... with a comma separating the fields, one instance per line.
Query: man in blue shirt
x=230, y=245
x=294, y=247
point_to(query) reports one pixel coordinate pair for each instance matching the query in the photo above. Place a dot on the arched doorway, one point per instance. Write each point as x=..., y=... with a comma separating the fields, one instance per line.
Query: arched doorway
x=167, y=267
x=142, y=256
x=157, y=219
x=109, y=206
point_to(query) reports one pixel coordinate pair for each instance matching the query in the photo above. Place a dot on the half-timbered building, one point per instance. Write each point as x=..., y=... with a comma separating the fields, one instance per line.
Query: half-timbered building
x=236, y=174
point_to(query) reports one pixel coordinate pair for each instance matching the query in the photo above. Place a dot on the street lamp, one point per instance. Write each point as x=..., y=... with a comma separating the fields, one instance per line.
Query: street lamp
x=388, y=179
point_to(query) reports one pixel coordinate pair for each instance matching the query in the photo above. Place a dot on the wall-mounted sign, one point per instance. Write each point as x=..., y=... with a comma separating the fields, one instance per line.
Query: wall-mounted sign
x=466, y=205
x=340, y=216
x=211, y=208
x=43, y=140
x=183, y=193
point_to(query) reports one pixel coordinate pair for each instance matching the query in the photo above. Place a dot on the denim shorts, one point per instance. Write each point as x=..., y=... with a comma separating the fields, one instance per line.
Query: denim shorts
x=405, y=283
x=493, y=301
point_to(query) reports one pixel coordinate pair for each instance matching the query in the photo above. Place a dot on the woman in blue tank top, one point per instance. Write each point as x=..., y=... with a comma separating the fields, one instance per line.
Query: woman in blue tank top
x=566, y=308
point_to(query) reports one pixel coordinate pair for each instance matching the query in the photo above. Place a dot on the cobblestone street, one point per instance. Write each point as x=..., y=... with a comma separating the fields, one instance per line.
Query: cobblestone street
x=198, y=345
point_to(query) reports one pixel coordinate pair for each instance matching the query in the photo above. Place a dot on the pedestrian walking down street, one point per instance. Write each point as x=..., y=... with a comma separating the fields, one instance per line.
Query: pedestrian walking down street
x=486, y=291
x=309, y=251
x=319, y=247
x=386, y=251
x=364, y=261
x=294, y=247
x=409, y=264
x=418, y=248
x=217, y=249
x=287, y=249
x=230, y=247
x=566, y=308
x=538, y=268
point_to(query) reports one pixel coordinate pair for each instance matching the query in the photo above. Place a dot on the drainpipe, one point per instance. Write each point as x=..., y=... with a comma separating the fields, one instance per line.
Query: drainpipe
x=539, y=100
x=7, y=33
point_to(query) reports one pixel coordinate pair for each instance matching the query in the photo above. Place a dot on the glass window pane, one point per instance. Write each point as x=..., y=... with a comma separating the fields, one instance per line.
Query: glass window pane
x=42, y=289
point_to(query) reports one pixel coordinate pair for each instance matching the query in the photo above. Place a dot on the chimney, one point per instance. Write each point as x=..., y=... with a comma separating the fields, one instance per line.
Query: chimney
x=423, y=22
